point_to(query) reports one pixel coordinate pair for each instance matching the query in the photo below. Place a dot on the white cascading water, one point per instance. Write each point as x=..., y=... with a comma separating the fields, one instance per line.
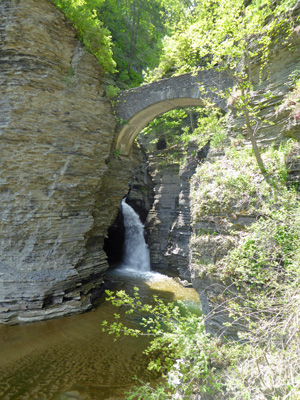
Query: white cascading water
x=136, y=252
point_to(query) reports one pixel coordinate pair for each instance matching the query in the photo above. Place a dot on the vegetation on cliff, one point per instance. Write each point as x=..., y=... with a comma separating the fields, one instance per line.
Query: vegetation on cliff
x=260, y=279
x=260, y=272
x=126, y=35
x=91, y=31
x=181, y=133
x=229, y=35
x=257, y=267
x=175, y=332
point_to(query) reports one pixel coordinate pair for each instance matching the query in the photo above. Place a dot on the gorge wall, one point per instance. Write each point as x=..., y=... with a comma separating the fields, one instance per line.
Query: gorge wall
x=60, y=186
x=168, y=220
x=61, y=183
x=221, y=208
x=188, y=240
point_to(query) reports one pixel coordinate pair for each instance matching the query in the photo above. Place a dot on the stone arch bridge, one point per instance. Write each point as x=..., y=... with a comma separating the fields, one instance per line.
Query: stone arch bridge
x=135, y=108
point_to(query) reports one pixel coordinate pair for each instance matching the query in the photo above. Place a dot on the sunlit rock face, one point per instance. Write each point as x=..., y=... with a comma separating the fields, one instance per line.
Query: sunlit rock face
x=59, y=187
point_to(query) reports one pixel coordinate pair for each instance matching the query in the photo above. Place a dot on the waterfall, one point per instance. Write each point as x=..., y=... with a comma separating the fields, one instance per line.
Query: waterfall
x=136, y=252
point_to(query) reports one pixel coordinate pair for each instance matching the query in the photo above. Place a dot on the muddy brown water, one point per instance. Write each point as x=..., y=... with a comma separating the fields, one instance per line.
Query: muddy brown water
x=72, y=359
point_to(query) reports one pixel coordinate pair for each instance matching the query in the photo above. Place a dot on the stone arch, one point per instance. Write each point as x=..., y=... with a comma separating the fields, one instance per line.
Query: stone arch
x=135, y=108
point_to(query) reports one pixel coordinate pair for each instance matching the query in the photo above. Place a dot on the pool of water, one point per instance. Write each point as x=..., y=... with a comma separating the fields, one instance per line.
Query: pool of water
x=71, y=358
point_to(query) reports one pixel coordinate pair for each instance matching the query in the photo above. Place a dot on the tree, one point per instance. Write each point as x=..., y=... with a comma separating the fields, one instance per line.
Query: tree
x=138, y=28
x=179, y=349
x=227, y=35
x=126, y=35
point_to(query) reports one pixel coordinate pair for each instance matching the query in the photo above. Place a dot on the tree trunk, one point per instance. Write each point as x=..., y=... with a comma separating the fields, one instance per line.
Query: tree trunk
x=191, y=114
x=251, y=134
x=134, y=33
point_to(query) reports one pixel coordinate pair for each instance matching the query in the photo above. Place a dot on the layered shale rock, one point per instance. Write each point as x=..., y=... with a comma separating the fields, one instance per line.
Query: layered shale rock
x=168, y=221
x=187, y=241
x=59, y=185
x=223, y=217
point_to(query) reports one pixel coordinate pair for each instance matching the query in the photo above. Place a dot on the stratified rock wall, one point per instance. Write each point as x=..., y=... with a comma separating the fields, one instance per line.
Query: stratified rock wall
x=272, y=85
x=215, y=229
x=56, y=132
x=179, y=243
x=168, y=221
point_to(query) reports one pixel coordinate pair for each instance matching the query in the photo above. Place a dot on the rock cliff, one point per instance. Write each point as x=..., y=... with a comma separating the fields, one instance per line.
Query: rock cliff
x=59, y=184
x=187, y=242
x=226, y=215
x=168, y=221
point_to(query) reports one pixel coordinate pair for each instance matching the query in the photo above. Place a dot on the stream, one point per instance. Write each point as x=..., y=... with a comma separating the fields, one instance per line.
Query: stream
x=71, y=358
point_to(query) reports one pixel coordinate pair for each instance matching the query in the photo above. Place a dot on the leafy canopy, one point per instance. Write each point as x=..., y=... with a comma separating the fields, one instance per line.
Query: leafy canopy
x=219, y=32
x=227, y=35
x=126, y=35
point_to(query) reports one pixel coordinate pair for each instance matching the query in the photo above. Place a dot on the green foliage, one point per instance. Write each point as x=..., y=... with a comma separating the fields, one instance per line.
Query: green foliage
x=117, y=153
x=218, y=139
x=170, y=119
x=233, y=184
x=125, y=36
x=269, y=308
x=263, y=257
x=174, y=128
x=263, y=261
x=137, y=29
x=69, y=79
x=181, y=127
x=112, y=91
x=294, y=78
x=260, y=273
x=228, y=35
x=291, y=102
x=219, y=34
x=180, y=348
x=91, y=31
x=211, y=125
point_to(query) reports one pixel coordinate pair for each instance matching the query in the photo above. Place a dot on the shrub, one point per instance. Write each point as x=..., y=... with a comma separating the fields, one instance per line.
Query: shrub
x=181, y=349
x=91, y=31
